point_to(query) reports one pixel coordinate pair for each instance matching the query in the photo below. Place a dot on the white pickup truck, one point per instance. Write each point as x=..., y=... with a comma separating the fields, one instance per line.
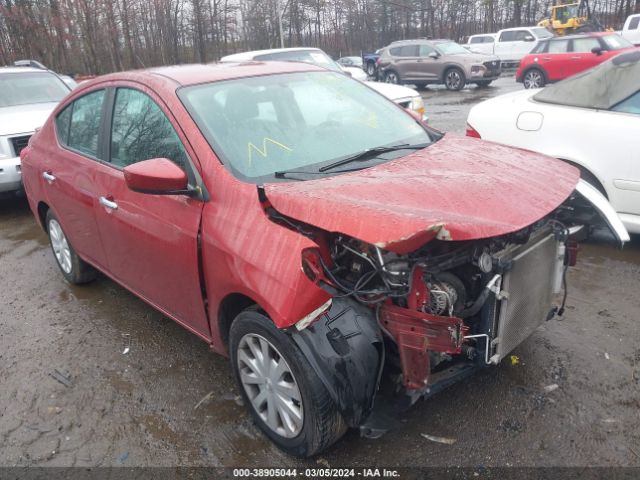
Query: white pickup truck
x=631, y=29
x=510, y=44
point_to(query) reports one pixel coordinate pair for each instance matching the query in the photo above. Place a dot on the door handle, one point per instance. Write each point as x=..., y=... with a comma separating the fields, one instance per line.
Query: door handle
x=576, y=58
x=105, y=202
x=546, y=58
x=48, y=177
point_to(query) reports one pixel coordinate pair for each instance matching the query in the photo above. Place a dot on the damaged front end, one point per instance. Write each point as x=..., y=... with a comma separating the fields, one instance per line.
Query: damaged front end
x=429, y=308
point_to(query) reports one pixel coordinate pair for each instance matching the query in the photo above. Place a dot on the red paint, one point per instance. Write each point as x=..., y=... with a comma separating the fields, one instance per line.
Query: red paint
x=558, y=66
x=156, y=175
x=458, y=187
x=418, y=333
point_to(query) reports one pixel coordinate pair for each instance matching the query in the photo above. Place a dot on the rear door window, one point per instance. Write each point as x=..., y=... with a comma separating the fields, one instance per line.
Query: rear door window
x=509, y=36
x=78, y=125
x=558, y=46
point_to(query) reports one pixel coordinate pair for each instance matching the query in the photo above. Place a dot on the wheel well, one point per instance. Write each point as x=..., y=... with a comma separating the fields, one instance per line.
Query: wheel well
x=589, y=177
x=43, y=208
x=540, y=69
x=230, y=307
x=451, y=67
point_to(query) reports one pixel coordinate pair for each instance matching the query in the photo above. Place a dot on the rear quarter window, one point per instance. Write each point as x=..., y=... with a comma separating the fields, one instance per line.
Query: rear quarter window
x=78, y=125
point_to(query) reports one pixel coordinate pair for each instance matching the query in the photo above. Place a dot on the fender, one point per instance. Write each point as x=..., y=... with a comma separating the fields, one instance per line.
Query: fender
x=345, y=348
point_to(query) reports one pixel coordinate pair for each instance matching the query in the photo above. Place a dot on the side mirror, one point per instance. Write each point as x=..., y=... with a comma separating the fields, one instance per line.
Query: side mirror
x=434, y=55
x=347, y=73
x=596, y=50
x=158, y=176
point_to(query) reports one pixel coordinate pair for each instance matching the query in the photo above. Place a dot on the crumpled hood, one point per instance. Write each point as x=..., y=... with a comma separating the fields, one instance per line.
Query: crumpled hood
x=458, y=189
x=24, y=118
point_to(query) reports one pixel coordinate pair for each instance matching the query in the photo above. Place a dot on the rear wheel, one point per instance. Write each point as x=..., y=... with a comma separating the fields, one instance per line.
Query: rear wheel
x=286, y=398
x=454, y=79
x=74, y=269
x=392, y=77
x=534, y=78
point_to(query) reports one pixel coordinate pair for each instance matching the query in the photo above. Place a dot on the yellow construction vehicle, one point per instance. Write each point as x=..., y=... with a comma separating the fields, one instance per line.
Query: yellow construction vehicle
x=571, y=18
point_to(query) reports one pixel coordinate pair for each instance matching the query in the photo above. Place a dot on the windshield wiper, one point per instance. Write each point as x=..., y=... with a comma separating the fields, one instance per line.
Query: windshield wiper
x=372, y=153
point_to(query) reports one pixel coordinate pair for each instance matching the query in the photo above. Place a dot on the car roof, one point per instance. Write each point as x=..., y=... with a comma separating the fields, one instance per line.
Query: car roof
x=518, y=28
x=254, y=53
x=580, y=35
x=419, y=40
x=194, y=74
x=12, y=69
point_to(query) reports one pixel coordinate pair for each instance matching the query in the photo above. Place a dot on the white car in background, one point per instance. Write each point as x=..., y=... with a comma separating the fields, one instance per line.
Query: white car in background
x=27, y=97
x=631, y=29
x=403, y=96
x=590, y=120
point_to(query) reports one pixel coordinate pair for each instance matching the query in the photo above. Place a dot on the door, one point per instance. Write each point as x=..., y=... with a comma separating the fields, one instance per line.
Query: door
x=429, y=68
x=69, y=174
x=405, y=61
x=556, y=59
x=623, y=124
x=151, y=241
x=582, y=57
x=505, y=46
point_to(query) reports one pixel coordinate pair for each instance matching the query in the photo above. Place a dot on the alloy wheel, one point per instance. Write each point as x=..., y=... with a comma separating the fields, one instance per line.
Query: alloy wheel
x=392, y=77
x=533, y=79
x=453, y=80
x=60, y=246
x=270, y=385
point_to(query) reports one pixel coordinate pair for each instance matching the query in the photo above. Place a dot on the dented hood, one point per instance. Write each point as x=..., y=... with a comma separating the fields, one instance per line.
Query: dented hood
x=457, y=189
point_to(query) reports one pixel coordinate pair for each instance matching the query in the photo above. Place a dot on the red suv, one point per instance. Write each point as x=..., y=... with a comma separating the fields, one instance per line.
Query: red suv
x=301, y=223
x=560, y=57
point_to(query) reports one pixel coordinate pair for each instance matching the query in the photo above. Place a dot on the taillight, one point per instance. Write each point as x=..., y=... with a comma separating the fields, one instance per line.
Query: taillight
x=472, y=132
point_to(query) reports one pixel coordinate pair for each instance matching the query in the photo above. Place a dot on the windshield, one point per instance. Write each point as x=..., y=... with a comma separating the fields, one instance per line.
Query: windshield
x=262, y=125
x=542, y=32
x=616, y=42
x=451, y=48
x=314, y=57
x=30, y=87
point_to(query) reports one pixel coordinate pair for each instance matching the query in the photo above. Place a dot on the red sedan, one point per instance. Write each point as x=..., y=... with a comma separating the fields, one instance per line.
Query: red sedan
x=560, y=57
x=306, y=226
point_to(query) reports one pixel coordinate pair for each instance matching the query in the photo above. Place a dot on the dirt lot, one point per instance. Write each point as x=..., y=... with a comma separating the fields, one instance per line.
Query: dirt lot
x=170, y=401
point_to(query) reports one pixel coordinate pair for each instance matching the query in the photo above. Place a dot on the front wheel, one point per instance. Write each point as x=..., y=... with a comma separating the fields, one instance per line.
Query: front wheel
x=534, y=78
x=454, y=79
x=286, y=398
x=392, y=77
x=74, y=269
x=371, y=69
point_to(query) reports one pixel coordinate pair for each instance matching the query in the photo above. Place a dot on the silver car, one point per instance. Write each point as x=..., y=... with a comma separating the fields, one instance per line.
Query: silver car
x=422, y=62
x=27, y=97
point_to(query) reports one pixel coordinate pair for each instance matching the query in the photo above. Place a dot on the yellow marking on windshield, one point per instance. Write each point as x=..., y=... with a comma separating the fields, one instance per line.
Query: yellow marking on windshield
x=263, y=152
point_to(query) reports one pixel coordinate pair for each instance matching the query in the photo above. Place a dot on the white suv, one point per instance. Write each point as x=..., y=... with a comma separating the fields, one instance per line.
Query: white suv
x=27, y=97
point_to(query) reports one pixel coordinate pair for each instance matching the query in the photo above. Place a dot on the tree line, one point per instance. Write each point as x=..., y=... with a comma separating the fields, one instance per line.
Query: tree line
x=100, y=36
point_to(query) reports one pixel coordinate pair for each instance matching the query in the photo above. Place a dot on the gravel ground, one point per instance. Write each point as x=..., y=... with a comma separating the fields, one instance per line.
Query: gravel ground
x=169, y=401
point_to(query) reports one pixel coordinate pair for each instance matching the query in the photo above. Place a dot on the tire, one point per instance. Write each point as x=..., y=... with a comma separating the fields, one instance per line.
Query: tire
x=318, y=424
x=392, y=77
x=371, y=69
x=74, y=269
x=454, y=79
x=534, y=78
x=484, y=83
